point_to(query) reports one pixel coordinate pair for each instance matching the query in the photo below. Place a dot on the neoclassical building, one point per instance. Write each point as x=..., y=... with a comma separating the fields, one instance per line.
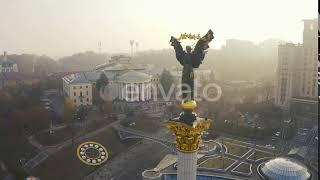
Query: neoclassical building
x=134, y=86
x=128, y=82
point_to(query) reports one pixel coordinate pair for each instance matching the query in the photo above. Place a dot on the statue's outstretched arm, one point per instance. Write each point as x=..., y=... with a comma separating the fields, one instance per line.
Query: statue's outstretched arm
x=178, y=49
x=201, y=46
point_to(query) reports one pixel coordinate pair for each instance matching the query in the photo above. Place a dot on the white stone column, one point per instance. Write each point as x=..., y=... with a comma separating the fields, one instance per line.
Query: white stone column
x=125, y=92
x=143, y=91
x=148, y=90
x=122, y=90
x=187, y=166
x=119, y=90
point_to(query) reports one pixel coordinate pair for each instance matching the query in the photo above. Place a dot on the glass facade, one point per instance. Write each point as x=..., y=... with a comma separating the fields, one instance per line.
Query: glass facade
x=285, y=168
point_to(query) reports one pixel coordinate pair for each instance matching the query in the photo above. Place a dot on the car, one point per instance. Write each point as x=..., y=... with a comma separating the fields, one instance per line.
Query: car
x=205, y=133
x=132, y=124
x=47, y=108
x=45, y=100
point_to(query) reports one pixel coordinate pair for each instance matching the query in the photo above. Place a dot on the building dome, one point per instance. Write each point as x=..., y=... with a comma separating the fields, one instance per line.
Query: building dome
x=284, y=168
x=134, y=77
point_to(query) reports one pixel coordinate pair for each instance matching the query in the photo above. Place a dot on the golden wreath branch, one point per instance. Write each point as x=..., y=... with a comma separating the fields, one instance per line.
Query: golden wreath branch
x=189, y=36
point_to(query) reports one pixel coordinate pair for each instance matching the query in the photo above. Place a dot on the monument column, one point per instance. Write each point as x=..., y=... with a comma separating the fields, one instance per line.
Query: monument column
x=187, y=166
x=187, y=129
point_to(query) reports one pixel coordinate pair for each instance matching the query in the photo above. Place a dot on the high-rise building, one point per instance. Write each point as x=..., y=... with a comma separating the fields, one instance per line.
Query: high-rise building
x=297, y=73
x=288, y=58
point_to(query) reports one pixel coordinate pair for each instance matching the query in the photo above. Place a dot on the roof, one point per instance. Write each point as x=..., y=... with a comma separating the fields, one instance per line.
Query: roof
x=168, y=160
x=285, y=168
x=299, y=151
x=82, y=77
x=119, y=67
x=155, y=72
x=134, y=76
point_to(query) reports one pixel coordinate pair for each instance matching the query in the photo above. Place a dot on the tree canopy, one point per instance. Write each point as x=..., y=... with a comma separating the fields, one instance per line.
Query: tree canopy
x=166, y=80
x=102, y=82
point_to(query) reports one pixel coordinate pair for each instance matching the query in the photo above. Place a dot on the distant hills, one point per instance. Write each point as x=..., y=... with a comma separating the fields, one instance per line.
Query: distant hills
x=82, y=61
x=237, y=60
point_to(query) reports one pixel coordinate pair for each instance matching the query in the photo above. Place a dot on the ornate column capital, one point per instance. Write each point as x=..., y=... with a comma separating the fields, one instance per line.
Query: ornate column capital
x=188, y=137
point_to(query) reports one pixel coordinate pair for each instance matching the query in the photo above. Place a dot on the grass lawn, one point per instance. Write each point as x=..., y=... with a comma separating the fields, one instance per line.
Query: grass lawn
x=148, y=125
x=260, y=154
x=47, y=139
x=235, y=149
x=217, y=163
x=12, y=149
x=64, y=134
x=243, y=167
x=64, y=165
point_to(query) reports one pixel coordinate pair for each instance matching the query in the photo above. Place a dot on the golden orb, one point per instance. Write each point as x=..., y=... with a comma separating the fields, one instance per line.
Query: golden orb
x=188, y=105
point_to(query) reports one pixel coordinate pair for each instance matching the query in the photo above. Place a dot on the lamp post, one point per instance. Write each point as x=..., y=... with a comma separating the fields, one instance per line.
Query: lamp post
x=137, y=45
x=75, y=116
x=72, y=127
x=131, y=44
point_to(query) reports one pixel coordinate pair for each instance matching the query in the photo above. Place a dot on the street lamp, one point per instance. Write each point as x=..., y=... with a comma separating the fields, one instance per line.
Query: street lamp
x=72, y=127
x=131, y=44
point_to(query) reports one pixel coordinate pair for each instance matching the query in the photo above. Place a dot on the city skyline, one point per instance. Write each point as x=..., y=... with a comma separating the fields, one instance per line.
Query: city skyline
x=59, y=29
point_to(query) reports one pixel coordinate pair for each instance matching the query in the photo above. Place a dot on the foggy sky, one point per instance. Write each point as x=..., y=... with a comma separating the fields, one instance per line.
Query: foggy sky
x=62, y=27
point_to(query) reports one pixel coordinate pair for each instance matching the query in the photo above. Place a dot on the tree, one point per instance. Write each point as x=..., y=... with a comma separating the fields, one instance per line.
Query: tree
x=249, y=99
x=166, y=80
x=19, y=123
x=6, y=103
x=101, y=84
x=68, y=110
x=83, y=61
x=37, y=118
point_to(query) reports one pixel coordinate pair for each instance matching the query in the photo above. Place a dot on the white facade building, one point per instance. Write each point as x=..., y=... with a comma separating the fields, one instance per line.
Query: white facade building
x=135, y=86
x=297, y=69
x=7, y=65
x=127, y=82
x=79, y=87
x=287, y=73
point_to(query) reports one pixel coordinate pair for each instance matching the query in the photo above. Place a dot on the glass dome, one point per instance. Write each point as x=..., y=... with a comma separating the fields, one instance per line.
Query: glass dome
x=284, y=168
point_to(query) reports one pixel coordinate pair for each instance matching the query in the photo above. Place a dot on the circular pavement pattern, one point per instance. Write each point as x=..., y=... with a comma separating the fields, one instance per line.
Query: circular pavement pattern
x=92, y=153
